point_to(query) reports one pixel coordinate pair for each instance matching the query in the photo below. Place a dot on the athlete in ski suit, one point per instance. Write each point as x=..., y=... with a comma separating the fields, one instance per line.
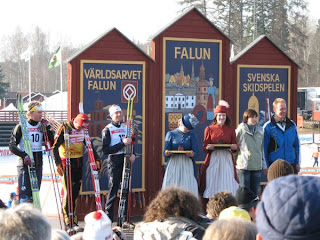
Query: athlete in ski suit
x=75, y=128
x=35, y=126
x=113, y=143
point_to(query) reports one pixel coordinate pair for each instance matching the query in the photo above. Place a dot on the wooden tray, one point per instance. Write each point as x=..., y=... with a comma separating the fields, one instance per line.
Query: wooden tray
x=176, y=151
x=222, y=145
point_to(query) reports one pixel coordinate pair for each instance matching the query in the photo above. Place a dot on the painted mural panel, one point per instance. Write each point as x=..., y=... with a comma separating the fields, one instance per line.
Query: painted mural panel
x=192, y=80
x=104, y=83
x=259, y=85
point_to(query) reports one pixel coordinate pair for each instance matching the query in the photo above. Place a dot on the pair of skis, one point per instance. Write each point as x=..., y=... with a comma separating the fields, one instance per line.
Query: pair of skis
x=94, y=173
x=53, y=173
x=27, y=146
x=126, y=172
x=93, y=166
x=55, y=125
x=92, y=163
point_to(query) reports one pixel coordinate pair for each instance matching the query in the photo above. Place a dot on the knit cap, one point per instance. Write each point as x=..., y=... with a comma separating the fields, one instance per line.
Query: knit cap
x=113, y=109
x=290, y=209
x=232, y=212
x=98, y=226
x=279, y=168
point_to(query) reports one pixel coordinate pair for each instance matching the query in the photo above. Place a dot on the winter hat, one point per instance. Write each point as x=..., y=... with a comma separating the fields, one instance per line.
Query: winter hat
x=290, y=209
x=82, y=119
x=34, y=106
x=189, y=121
x=113, y=109
x=279, y=168
x=232, y=212
x=98, y=226
x=246, y=198
x=13, y=194
x=222, y=107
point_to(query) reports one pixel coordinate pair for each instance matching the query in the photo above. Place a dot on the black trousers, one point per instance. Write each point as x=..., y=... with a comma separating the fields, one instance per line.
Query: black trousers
x=25, y=192
x=115, y=167
x=76, y=177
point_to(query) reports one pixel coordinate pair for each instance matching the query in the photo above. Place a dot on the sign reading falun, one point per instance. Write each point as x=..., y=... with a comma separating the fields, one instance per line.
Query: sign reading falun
x=191, y=82
x=259, y=86
x=104, y=83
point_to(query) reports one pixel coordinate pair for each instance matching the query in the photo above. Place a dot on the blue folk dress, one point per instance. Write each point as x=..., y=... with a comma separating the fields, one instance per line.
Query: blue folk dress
x=180, y=168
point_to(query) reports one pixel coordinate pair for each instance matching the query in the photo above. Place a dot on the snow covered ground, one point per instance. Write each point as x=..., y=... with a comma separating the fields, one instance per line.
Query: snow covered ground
x=8, y=170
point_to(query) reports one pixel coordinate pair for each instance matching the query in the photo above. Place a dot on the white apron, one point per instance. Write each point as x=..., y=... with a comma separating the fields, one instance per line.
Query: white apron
x=220, y=174
x=179, y=172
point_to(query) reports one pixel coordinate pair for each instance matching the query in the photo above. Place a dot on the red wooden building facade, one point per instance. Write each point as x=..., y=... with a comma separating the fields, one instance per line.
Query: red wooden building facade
x=191, y=28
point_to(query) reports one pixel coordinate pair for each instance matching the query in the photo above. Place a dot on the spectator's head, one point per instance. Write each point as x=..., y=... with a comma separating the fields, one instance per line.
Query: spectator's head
x=35, y=111
x=234, y=212
x=173, y=202
x=290, y=209
x=98, y=226
x=247, y=200
x=2, y=205
x=218, y=202
x=77, y=236
x=250, y=116
x=24, y=222
x=279, y=168
x=13, y=195
x=279, y=109
x=233, y=229
x=57, y=234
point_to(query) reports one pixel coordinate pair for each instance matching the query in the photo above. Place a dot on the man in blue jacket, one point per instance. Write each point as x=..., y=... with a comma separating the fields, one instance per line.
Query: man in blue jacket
x=281, y=137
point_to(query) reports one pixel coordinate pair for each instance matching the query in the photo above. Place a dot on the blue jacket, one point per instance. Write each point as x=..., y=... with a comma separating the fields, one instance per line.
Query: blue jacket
x=281, y=144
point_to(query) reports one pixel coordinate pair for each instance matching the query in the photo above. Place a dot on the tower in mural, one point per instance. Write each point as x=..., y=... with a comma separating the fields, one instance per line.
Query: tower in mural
x=98, y=119
x=202, y=88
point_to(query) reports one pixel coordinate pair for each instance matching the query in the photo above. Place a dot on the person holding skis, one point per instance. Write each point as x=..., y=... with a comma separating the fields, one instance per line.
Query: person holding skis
x=35, y=125
x=114, y=141
x=75, y=129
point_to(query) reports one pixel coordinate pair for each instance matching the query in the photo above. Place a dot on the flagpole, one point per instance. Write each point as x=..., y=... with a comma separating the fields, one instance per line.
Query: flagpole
x=61, y=78
x=61, y=70
x=30, y=78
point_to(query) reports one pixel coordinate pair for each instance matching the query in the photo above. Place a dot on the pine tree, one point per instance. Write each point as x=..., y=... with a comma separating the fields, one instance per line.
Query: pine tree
x=3, y=85
x=298, y=37
x=202, y=5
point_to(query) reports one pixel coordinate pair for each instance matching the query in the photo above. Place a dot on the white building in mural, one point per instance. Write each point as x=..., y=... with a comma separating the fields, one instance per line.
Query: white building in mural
x=180, y=102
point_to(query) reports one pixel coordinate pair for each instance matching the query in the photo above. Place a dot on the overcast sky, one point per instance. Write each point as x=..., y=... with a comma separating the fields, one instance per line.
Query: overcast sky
x=81, y=21
x=84, y=20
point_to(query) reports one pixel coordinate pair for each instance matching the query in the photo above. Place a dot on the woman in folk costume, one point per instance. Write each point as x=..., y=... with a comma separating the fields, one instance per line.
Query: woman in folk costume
x=181, y=168
x=219, y=173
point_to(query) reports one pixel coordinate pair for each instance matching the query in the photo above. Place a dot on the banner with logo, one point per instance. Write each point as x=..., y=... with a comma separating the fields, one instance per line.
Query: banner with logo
x=104, y=83
x=258, y=86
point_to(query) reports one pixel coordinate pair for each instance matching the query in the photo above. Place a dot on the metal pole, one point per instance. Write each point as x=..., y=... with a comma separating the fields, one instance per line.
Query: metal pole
x=30, y=78
x=61, y=69
x=61, y=90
